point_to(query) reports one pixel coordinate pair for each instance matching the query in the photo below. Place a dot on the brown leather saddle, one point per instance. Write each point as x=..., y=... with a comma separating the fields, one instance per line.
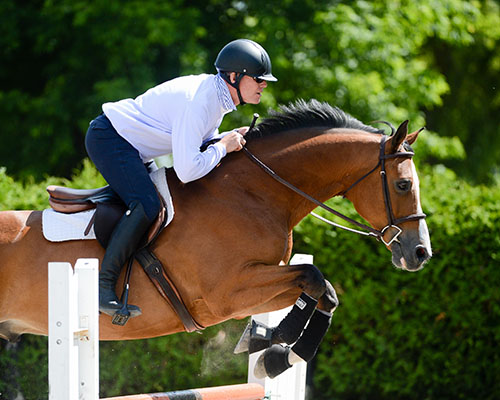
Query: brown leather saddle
x=109, y=209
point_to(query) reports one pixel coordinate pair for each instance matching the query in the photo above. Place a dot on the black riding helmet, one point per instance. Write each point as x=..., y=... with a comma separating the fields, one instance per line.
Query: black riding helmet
x=245, y=57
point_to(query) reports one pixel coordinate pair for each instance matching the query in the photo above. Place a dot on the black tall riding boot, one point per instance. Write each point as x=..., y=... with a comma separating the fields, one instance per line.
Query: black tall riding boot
x=124, y=241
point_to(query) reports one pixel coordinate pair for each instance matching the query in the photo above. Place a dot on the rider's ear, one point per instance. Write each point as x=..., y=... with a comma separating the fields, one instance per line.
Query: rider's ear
x=398, y=138
x=413, y=136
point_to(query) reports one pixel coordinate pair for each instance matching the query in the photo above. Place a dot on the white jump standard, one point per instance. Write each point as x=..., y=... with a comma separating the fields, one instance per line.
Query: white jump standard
x=73, y=331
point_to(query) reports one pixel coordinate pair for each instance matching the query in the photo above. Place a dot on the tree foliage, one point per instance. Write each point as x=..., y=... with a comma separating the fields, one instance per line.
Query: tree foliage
x=388, y=59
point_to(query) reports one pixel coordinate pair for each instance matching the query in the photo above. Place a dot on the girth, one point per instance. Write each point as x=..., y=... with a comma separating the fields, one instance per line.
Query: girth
x=154, y=269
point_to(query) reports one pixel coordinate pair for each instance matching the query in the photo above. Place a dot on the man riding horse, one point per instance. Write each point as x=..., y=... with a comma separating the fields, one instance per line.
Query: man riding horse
x=175, y=117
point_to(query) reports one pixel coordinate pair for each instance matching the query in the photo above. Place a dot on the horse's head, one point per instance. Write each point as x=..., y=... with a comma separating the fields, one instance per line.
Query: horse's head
x=385, y=194
x=394, y=207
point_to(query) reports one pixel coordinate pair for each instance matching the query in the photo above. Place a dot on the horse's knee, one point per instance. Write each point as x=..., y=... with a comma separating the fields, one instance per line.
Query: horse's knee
x=328, y=301
x=311, y=280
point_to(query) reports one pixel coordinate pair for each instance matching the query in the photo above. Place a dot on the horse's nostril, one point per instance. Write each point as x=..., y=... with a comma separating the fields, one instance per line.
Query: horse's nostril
x=421, y=253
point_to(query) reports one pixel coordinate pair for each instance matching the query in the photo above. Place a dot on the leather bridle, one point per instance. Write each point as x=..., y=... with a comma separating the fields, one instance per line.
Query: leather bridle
x=392, y=221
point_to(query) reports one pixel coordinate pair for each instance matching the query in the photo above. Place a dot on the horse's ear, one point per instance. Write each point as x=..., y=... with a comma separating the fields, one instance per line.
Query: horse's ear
x=412, y=137
x=398, y=138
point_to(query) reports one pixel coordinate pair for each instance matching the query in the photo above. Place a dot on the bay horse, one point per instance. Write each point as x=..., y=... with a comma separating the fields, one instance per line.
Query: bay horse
x=227, y=247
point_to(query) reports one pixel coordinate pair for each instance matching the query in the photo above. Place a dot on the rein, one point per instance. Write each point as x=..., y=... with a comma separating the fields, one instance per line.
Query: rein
x=379, y=234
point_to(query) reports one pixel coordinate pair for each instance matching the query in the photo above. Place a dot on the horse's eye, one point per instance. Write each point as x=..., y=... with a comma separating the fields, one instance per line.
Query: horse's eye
x=403, y=185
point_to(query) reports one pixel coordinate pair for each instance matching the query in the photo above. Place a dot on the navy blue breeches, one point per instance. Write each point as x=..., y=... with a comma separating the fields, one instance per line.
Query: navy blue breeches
x=121, y=166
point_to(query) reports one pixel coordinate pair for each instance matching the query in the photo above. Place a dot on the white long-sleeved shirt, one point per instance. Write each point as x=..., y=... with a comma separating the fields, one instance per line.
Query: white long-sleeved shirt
x=176, y=117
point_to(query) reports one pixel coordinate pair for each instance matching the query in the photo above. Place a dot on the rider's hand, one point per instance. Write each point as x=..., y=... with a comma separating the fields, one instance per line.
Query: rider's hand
x=233, y=141
x=243, y=130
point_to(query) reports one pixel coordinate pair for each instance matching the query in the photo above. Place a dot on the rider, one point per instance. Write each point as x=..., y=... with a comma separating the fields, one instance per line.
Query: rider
x=175, y=117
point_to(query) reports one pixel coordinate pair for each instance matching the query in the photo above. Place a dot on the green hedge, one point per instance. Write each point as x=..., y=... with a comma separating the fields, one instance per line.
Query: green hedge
x=432, y=334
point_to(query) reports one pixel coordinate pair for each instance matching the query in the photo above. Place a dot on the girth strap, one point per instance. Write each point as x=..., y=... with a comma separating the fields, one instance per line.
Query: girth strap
x=155, y=271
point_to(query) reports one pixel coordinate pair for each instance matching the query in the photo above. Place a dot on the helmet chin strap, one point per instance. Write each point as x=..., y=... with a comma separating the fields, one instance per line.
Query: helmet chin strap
x=236, y=84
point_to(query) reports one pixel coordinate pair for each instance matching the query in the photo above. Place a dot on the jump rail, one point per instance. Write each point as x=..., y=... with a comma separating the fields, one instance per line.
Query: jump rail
x=74, y=345
x=246, y=391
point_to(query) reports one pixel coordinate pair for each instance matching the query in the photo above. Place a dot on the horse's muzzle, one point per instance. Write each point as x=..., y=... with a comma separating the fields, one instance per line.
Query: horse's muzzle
x=413, y=249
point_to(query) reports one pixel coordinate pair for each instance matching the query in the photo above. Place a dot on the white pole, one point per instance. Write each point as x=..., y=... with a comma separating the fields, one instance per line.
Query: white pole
x=63, y=354
x=73, y=331
x=87, y=271
x=291, y=384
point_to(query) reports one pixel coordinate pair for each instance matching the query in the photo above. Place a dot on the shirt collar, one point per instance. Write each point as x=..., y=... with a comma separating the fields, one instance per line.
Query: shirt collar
x=223, y=94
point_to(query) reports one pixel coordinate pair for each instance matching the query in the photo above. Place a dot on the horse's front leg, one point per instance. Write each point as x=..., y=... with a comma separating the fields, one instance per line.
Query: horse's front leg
x=303, y=283
x=314, y=289
x=277, y=358
x=315, y=301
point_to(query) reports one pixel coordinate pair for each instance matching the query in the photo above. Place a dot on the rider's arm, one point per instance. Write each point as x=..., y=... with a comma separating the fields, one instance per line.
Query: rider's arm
x=188, y=133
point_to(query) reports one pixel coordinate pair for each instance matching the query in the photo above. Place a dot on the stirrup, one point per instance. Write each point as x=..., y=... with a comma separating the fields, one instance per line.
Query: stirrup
x=123, y=314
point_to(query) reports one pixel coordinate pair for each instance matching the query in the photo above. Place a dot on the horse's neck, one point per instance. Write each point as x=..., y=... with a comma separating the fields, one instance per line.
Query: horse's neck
x=321, y=165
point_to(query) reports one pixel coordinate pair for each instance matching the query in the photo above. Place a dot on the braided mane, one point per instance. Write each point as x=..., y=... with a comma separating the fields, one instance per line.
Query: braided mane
x=302, y=114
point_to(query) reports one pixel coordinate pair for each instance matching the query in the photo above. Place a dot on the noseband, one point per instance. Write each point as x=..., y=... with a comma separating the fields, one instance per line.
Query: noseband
x=392, y=221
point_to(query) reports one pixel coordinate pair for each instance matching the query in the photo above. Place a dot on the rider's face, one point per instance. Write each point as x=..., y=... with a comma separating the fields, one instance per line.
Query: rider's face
x=251, y=90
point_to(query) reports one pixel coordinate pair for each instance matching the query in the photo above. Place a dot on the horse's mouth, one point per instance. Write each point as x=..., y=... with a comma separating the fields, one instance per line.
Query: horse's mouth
x=402, y=264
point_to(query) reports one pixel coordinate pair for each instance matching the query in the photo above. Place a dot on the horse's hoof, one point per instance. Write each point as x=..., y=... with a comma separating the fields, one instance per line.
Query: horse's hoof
x=256, y=337
x=272, y=362
x=259, y=370
x=244, y=341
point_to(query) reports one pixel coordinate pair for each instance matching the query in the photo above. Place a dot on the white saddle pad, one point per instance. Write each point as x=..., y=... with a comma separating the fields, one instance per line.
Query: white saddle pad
x=60, y=227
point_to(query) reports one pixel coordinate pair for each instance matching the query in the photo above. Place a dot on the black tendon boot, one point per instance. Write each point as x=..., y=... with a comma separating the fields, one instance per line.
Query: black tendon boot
x=124, y=241
x=308, y=343
x=290, y=328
